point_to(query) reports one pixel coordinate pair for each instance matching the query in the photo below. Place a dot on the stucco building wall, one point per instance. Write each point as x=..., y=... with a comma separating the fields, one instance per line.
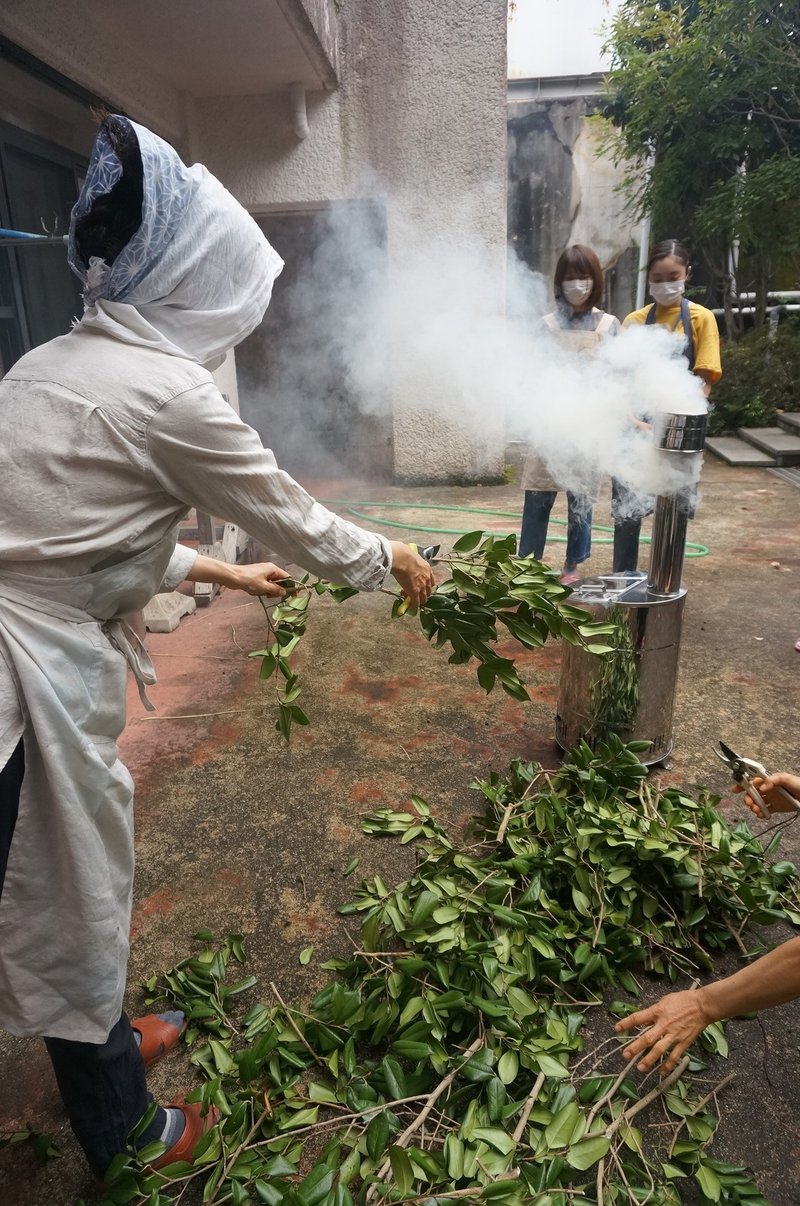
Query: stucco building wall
x=69, y=38
x=413, y=117
x=418, y=121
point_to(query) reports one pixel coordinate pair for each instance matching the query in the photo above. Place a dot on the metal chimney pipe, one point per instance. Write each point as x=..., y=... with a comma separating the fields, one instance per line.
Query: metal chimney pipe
x=667, y=545
x=683, y=435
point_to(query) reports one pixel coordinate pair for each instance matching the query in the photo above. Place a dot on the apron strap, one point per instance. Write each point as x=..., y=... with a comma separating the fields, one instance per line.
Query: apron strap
x=132, y=648
x=685, y=317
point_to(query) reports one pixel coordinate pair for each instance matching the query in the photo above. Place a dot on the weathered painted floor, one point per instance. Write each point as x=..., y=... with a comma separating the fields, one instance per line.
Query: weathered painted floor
x=238, y=833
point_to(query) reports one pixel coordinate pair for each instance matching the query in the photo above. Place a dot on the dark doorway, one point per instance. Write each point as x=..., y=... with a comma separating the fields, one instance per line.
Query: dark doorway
x=45, y=140
x=299, y=384
x=39, y=187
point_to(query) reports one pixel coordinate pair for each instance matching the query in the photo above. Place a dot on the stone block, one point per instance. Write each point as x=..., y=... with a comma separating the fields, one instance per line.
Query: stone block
x=165, y=612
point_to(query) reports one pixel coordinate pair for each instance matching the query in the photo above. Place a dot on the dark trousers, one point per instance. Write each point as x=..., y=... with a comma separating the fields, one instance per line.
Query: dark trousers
x=628, y=510
x=102, y=1085
x=536, y=517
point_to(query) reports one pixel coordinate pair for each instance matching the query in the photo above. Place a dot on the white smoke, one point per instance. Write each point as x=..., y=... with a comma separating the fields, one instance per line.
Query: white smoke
x=428, y=327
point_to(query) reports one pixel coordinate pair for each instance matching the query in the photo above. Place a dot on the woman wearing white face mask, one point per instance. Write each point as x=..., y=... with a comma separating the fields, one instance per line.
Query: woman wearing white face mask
x=668, y=270
x=579, y=326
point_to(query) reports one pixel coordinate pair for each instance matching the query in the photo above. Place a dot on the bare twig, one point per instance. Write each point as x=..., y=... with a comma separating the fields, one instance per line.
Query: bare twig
x=530, y=1102
x=696, y=1109
x=606, y=1098
x=296, y=1029
x=201, y=715
x=365, y=1114
x=430, y=1102
x=627, y=1115
x=265, y=1113
x=736, y=938
x=512, y=804
x=599, y=1181
x=594, y=1052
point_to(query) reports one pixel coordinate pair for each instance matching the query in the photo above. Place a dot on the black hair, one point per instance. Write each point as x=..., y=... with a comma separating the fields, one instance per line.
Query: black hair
x=113, y=219
x=669, y=247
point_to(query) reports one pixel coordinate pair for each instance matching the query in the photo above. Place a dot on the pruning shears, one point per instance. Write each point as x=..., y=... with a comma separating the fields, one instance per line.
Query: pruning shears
x=744, y=770
x=428, y=552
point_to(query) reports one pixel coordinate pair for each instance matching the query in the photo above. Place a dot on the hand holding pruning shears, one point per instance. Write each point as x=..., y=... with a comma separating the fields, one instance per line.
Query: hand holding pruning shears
x=412, y=569
x=763, y=793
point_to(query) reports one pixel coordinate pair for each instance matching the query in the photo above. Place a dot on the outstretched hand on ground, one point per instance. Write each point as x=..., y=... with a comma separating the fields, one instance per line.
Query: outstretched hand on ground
x=673, y=1024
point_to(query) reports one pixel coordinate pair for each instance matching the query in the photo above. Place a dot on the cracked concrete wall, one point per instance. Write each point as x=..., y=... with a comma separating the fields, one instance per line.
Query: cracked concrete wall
x=563, y=190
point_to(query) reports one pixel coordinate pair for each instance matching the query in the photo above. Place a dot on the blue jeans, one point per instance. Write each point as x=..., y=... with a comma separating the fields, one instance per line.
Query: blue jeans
x=536, y=515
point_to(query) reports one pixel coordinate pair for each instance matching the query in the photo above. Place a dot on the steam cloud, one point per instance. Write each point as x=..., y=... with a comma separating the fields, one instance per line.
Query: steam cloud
x=420, y=318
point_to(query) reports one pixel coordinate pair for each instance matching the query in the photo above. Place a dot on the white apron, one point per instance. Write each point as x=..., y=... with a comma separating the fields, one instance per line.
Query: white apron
x=66, y=902
x=535, y=473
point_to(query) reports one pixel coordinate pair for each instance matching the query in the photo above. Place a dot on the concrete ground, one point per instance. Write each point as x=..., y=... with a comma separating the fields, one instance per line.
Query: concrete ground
x=238, y=833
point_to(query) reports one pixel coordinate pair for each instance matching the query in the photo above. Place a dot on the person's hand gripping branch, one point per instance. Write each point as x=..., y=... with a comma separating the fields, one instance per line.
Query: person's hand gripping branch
x=413, y=573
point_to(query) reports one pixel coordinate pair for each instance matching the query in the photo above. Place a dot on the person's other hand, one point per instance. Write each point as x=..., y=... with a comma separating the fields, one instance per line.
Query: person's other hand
x=413, y=573
x=263, y=578
x=770, y=790
x=673, y=1024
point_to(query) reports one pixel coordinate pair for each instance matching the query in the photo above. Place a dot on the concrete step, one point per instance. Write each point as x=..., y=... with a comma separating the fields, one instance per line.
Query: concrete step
x=790, y=421
x=738, y=452
x=783, y=445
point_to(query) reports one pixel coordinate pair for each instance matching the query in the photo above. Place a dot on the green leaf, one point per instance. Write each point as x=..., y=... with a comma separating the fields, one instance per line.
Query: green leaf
x=495, y=1098
x=454, y=1157
x=521, y=1002
x=377, y=1136
x=270, y=1194
x=301, y=1118
x=565, y=1125
x=508, y=1067
x=478, y=1067
x=350, y=868
x=222, y=1058
x=321, y=1093
x=402, y=1170
x=708, y=1181
x=316, y=1186
x=550, y=1066
x=468, y=542
x=305, y=955
x=586, y=1152
x=497, y=1138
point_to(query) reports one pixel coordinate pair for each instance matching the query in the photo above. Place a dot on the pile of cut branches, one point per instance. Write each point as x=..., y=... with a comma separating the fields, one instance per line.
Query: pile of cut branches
x=445, y=1058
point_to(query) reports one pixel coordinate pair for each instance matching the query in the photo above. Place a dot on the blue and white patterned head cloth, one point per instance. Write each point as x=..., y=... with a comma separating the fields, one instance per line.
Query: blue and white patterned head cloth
x=199, y=270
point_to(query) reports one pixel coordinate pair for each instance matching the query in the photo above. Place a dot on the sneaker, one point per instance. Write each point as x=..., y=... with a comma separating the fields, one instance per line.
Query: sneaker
x=569, y=577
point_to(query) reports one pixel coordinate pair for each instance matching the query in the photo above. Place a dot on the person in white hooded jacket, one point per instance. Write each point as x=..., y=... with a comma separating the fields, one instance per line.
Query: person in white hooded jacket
x=110, y=434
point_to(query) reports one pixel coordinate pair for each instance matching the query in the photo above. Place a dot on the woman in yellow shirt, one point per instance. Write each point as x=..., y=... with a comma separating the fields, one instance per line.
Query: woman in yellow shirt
x=668, y=270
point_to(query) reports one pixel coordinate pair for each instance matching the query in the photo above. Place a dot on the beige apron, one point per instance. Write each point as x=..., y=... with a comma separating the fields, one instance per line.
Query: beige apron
x=535, y=473
x=66, y=902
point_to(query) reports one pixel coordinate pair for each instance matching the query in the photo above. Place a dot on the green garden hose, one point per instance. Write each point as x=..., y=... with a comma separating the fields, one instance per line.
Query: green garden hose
x=357, y=510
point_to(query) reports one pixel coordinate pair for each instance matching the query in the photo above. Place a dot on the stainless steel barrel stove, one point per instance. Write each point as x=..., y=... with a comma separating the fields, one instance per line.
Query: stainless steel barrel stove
x=631, y=693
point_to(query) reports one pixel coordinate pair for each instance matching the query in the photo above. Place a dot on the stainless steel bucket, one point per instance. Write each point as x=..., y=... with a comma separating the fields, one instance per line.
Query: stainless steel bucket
x=632, y=692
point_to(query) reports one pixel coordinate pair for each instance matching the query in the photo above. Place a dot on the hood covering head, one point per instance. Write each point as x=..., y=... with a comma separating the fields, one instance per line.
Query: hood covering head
x=198, y=271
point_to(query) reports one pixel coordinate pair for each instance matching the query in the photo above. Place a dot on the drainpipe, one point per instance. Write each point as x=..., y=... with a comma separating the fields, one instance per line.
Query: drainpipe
x=644, y=245
x=297, y=102
x=644, y=248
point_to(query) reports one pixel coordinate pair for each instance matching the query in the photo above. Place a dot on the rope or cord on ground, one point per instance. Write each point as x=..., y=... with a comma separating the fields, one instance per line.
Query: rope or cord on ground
x=357, y=509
